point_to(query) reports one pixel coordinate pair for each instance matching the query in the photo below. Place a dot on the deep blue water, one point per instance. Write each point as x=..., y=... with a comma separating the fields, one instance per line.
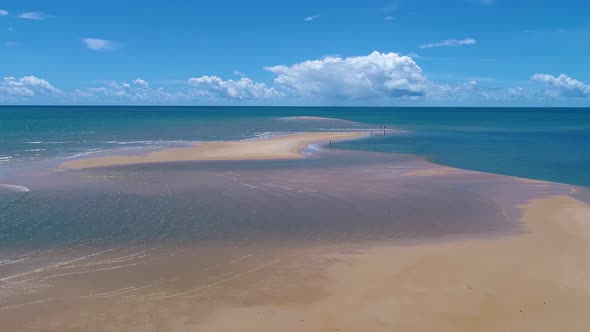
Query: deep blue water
x=541, y=143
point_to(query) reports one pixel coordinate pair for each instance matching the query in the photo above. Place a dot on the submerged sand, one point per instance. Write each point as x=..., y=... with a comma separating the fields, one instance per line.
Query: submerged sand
x=282, y=147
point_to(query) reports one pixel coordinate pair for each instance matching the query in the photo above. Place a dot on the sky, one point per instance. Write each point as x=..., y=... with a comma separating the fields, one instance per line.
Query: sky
x=297, y=52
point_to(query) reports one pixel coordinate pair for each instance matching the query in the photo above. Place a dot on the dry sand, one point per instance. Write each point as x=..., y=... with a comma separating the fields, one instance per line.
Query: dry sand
x=538, y=281
x=282, y=147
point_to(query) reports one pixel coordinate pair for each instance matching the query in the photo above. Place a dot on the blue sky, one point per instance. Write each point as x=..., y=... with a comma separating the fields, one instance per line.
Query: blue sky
x=401, y=52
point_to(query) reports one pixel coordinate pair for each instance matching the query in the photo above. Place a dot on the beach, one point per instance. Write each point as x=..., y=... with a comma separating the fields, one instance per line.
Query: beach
x=287, y=232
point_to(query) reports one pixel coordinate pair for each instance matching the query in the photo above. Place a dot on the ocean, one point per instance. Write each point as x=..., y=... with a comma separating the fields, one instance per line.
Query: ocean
x=539, y=143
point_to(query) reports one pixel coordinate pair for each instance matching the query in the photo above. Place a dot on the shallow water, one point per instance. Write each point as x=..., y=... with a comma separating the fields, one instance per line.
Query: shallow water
x=160, y=231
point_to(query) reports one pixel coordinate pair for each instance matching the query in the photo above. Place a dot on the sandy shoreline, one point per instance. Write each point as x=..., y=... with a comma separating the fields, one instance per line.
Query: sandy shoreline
x=282, y=147
x=534, y=282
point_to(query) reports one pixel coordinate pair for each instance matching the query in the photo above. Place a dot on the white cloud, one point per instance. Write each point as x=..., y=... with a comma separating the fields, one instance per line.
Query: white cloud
x=371, y=76
x=311, y=18
x=239, y=73
x=244, y=88
x=141, y=83
x=3, y=12
x=388, y=18
x=38, y=16
x=563, y=85
x=97, y=44
x=138, y=91
x=451, y=42
x=27, y=86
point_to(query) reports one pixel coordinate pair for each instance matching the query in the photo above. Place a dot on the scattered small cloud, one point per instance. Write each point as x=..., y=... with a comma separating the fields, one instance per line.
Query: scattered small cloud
x=138, y=91
x=563, y=85
x=10, y=44
x=141, y=83
x=38, y=16
x=311, y=18
x=418, y=56
x=12, y=88
x=389, y=18
x=97, y=44
x=239, y=73
x=450, y=42
x=3, y=12
x=215, y=87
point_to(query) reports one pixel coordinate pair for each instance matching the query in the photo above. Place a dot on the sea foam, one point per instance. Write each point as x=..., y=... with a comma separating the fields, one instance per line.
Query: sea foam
x=14, y=187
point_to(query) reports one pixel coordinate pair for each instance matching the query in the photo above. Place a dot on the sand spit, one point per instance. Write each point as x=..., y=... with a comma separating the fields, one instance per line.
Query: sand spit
x=282, y=147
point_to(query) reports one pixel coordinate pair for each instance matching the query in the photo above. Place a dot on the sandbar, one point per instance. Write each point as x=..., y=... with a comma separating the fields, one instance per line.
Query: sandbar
x=282, y=147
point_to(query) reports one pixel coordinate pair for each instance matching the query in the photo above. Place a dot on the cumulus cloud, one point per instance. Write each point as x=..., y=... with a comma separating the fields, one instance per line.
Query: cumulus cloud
x=563, y=85
x=97, y=44
x=371, y=76
x=26, y=86
x=138, y=91
x=244, y=88
x=311, y=18
x=3, y=12
x=38, y=16
x=450, y=42
x=141, y=83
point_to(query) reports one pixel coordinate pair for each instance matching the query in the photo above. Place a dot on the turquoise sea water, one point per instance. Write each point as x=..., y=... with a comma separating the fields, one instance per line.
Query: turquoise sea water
x=541, y=143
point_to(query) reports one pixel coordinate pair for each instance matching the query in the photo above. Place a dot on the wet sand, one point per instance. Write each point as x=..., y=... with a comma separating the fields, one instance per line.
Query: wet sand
x=282, y=147
x=538, y=281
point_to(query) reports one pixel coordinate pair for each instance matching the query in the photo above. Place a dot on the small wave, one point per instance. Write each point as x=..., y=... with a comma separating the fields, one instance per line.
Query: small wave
x=265, y=135
x=5, y=158
x=86, y=153
x=14, y=187
x=83, y=132
x=35, y=150
x=130, y=142
x=52, y=142
x=314, y=118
